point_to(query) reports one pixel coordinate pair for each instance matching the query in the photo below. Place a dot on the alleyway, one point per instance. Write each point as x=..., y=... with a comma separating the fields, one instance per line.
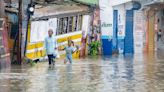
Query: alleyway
x=116, y=74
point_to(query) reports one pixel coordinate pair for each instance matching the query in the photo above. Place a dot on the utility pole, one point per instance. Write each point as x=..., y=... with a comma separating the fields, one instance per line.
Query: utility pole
x=19, y=38
x=1, y=9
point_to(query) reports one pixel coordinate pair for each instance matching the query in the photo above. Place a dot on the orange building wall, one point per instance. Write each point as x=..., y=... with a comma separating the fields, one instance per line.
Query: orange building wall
x=151, y=32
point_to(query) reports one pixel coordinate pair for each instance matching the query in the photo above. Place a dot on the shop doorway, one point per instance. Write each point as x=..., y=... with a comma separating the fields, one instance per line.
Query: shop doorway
x=115, y=30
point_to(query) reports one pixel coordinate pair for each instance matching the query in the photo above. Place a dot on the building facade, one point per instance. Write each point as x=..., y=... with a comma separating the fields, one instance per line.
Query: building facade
x=126, y=33
x=154, y=12
x=69, y=20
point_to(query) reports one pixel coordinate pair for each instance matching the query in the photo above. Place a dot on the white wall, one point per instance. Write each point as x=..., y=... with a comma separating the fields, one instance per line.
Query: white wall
x=121, y=20
x=118, y=2
x=106, y=17
x=86, y=24
x=39, y=29
x=138, y=31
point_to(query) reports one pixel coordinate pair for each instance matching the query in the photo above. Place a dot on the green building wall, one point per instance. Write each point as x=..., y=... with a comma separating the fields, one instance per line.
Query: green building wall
x=89, y=1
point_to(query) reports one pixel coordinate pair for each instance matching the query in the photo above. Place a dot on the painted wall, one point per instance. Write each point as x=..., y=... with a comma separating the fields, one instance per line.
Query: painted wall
x=150, y=32
x=121, y=20
x=138, y=27
x=118, y=2
x=138, y=33
x=121, y=24
x=106, y=17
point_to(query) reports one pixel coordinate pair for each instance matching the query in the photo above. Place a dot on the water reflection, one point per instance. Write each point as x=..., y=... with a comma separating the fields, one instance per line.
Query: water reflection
x=129, y=73
x=138, y=73
x=5, y=62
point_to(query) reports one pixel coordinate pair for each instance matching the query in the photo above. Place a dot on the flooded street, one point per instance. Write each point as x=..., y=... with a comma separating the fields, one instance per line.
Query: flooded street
x=138, y=73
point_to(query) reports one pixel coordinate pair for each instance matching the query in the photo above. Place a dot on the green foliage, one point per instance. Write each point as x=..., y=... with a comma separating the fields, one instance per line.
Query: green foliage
x=94, y=46
x=32, y=63
x=90, y=1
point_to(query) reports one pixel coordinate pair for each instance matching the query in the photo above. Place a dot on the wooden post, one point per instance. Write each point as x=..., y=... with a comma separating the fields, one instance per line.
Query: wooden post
x=19, y=57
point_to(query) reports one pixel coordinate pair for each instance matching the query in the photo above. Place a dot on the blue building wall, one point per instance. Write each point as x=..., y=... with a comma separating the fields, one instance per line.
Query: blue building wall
x=115, y=30
x=129, y=42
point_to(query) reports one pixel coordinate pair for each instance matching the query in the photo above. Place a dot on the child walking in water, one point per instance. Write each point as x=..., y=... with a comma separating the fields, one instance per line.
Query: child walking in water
x=69, y=51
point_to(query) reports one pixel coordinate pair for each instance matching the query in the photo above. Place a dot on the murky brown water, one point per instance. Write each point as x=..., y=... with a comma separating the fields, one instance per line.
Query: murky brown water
x=138, y=73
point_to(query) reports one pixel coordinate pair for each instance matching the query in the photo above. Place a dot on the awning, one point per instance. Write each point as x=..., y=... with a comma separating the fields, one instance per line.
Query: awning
x=59, y=9
x=154, y=2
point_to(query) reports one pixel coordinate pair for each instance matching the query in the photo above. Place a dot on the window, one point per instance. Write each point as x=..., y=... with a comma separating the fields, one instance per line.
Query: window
x=69, y=24
x=14, y=30
x=80, y=22
x=1, y=22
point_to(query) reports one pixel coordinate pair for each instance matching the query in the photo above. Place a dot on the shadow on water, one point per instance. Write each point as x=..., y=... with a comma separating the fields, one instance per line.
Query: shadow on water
x=5, y=62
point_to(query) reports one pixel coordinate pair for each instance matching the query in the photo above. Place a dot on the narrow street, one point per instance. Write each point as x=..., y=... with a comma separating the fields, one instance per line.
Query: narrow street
x=114, y=45
x=140, y=73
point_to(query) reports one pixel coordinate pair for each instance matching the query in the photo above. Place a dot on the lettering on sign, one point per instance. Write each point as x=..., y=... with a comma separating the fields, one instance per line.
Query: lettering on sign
x=106, y=25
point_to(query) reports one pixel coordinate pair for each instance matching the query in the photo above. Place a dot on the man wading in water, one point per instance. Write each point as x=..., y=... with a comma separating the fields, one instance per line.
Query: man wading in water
x=50, y=46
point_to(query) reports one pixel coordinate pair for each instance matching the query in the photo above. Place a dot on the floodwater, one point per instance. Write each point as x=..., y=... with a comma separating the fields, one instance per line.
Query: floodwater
x=138, y=73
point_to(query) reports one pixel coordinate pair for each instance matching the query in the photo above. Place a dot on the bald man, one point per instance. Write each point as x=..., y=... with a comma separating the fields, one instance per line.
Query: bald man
x=50, y=46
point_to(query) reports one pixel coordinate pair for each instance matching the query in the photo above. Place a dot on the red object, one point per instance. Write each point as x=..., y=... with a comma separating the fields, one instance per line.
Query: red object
x=5, y=38
x=83, y=47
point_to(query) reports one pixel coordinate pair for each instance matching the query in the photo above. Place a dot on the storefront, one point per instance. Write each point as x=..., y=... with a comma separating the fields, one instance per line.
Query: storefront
x=155, y=20
x=67, y=20
x=126, y=29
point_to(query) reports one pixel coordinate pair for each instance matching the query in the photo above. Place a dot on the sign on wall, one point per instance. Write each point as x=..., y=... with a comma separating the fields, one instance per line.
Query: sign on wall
x=121, y=25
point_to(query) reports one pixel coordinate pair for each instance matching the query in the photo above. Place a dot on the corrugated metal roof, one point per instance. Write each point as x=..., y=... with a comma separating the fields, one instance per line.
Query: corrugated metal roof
x=57, y=9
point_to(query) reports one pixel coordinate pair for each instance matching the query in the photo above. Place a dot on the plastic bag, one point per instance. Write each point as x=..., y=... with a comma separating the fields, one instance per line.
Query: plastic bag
x=56, y=54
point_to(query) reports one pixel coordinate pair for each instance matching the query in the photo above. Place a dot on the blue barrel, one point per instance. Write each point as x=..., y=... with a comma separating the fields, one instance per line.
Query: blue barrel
x=107, y=47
